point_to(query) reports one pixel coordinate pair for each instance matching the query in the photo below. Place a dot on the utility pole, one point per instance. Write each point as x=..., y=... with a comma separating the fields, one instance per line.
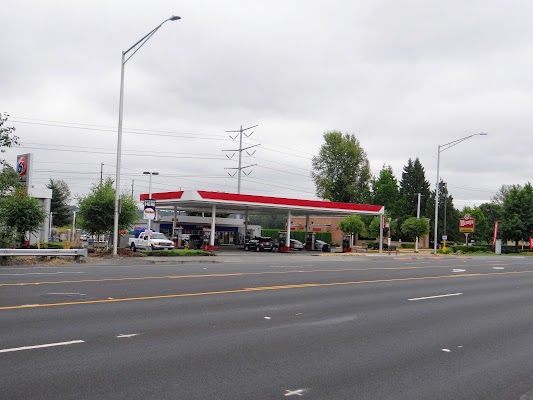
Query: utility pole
x=132, y=182
x=101, y=173
x=417, y=217
x=240, y=150
x=73, y=238
x=445, y=192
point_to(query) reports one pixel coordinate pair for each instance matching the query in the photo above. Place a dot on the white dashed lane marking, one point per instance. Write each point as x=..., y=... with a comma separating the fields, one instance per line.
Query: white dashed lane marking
x=435, y=297
x=40, y=346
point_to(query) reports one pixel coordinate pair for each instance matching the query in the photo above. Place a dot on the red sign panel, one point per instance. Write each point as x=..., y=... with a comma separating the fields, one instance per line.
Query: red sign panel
x=466, y=224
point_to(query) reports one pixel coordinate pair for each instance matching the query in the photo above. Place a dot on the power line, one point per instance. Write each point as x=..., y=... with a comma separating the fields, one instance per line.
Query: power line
x=104, y=128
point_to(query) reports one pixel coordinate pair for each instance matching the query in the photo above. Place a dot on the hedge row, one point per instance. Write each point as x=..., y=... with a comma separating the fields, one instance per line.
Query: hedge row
x=297, y=235
x=177, y=253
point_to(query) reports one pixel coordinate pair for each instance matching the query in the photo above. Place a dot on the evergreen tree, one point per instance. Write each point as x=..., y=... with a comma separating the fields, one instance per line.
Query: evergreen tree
x=385, y=191
x=60, y=202
x=447, y=213
x=413, y=182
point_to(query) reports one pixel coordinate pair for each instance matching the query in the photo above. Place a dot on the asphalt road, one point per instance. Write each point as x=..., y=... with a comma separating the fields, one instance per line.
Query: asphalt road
x=270, y=326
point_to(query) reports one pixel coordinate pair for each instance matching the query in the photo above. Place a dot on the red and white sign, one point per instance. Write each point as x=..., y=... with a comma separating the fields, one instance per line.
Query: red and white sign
x=466, y=224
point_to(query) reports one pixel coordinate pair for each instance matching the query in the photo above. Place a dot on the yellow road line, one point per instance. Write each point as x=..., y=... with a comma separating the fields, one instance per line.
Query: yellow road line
x=257, y=289
x=223, y=275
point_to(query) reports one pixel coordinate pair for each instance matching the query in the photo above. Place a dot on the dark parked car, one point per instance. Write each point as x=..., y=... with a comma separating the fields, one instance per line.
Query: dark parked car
x=197, y=240
x=259, y=243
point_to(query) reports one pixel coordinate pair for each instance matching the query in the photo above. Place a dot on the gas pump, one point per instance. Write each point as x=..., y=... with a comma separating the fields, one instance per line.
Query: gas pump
x=176, y=236
x=282, y=238
x=310, y=240
x=346, y=243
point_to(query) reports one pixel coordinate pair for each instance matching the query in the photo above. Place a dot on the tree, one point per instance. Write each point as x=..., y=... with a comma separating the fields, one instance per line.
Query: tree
x=499, y=197
x=482, y=231
x=517, y=213
x=385, y=191
x=373, y=228
x=352, y=224
x=413, y=182
x=7, y=139
x=19, y=214
x=341, y=170
x=60, y=202
x=447, y=213
x=8, y=180
x=413, y=227
x=96, y=214
x=492, y=213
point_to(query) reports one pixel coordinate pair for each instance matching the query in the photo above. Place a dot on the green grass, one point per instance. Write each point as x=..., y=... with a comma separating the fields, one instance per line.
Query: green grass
x=177, y=253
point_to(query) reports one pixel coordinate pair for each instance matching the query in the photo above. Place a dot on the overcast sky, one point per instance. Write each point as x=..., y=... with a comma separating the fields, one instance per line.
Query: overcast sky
x=403, y=76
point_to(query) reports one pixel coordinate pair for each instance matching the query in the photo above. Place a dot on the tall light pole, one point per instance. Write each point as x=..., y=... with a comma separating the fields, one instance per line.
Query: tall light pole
x=441, y=148
x=150, y=193
x=136, y=48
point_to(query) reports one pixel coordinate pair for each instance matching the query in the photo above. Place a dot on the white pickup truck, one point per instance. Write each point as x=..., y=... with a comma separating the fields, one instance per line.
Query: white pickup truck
x=150, y=241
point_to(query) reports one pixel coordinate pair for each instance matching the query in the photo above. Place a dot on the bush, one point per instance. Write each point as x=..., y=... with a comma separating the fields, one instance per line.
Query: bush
x=297, y=235
x=177, y=253
x=49, y=245
x=325, y=236
x=447, y=251
x=271, y=233
x=407, y=246
x=469, y=249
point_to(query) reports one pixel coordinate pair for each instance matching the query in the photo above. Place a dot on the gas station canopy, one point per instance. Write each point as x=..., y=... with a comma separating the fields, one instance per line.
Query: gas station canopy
x=233, y=203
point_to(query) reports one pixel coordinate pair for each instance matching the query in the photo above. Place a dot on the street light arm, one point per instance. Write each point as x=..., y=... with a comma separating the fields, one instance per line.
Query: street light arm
x=145, y=38
x=456, y=142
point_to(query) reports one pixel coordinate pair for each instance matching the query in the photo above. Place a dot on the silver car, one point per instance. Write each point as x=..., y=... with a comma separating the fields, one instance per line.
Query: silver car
x=297, y=245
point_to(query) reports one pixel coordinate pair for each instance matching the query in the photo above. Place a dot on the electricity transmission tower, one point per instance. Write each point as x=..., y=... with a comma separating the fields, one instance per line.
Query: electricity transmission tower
x=240, y=168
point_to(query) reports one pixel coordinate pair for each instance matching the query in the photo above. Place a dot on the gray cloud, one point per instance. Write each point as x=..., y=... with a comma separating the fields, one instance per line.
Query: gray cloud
x=404, y=77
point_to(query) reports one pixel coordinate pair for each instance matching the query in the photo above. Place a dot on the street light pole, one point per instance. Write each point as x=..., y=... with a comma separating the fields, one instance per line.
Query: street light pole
x=150, y=193
x=136, y=48
x=441, y=148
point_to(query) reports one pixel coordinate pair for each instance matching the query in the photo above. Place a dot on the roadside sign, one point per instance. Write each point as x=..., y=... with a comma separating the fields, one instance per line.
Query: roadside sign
x=149, y=209
x=466, y=224
x=444, y=237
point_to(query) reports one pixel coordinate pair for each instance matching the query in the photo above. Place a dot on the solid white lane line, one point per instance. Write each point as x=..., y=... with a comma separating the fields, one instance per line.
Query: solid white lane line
x=435, y=297
x=40, y=346
x=44, y=273
x=122, y=335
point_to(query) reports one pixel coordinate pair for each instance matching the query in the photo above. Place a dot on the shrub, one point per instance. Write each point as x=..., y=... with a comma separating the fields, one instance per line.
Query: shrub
x=297, y=235
x=271, y=233
x=325, y=236
x=177, y=253
x=49, y=245
x=469, y=249
x=407, y=246
x=447, y=251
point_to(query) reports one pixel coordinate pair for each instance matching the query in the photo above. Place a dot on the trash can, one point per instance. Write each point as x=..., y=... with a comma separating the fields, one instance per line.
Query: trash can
x=326, y=248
